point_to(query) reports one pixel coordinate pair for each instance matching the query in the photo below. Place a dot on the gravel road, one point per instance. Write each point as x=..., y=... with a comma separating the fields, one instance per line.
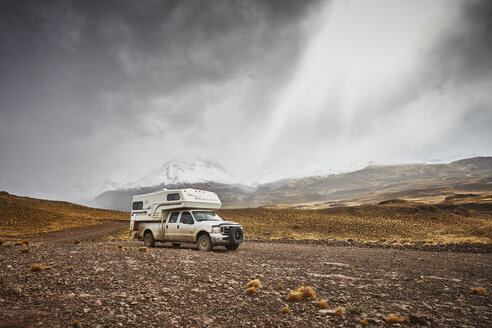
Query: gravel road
x=182, y=287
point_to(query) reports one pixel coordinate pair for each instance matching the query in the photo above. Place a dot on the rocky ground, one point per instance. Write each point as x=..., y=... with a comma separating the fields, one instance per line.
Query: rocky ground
x=101, y=285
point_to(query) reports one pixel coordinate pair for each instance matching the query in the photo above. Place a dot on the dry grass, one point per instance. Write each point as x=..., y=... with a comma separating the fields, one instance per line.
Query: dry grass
x=295, y=296
x=321, y=304
x=302, y=293
x=409, y=222
x=143, y=249
x=26, y=250
x=397, y=319
x=36, y=267
x=2, y=241
x=254, y=283
x=251, y=291
x=77, y=242
x=120, y=246
x=364, y=322
x=68, y=268
x=479, y=290
x=286, y=310
x=75, y=323
x=30, y=216
x=340, y=311
x=307, y=292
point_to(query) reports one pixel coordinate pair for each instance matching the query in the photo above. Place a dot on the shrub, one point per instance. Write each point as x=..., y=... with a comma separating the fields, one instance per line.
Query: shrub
x=479, y=291
x=295, y=296
x=120, y=246
x=75, y=323
x=76, y=241
x=397, y=319
x=25, y=242
x=251, y=291
x=143, y=249
x=254, y=283
x=36, y=267
x=19, y=243
x=2, y=241
x=307, y=292
x=340, y=311
x=286, y=310
x=25, y=250
x=321, y=304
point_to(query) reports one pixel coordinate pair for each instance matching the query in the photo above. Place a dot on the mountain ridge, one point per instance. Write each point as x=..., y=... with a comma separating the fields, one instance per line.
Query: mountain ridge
x=377, y=180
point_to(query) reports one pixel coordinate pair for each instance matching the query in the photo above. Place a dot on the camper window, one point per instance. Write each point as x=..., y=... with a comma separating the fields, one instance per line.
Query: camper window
x=174, y=217
x=173, y=196
x=137, y=206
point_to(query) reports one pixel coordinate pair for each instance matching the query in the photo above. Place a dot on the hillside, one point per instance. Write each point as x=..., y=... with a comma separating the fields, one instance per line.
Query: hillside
x=458, y=219
x=30, y=216
x=366, y=186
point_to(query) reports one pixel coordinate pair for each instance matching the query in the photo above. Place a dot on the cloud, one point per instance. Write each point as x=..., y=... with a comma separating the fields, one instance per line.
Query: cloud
x=94, y=92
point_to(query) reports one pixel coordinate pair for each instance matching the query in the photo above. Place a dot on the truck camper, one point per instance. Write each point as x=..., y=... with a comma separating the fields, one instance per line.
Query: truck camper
x=183, y=216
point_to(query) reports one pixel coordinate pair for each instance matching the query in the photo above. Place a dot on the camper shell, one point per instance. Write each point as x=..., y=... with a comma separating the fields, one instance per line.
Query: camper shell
x=183, y=215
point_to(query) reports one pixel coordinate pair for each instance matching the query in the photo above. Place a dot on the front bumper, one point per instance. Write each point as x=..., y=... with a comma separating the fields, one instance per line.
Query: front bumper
x=219, y=239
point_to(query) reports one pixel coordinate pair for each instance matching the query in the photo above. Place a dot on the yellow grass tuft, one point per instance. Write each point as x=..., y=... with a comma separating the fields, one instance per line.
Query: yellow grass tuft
x=125, y=248
x=76, y=241
x=479, y=290
x=25, y=250
x=307, y=292
x=251, y=291
x=75, y=323
x=120, y=246
x=48, y=267
x=286, y=310
x=321, y=304
x=2, y=241
x=397, y=319
x=69, y=268
x=101, y=245
x=364, y=322
x=254, y=283
x=143, y=249
x=36, y=267
x=295, y=296
x=340, y=311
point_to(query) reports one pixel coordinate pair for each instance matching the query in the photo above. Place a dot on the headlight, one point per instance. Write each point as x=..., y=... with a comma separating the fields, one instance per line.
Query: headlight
x=216, y=230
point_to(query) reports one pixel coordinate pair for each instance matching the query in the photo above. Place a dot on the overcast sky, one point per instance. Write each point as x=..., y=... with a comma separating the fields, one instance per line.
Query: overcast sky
x=99, y=91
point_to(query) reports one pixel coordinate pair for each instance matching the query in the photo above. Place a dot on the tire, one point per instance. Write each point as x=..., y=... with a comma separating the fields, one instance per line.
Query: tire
x=176, y=245
x=149, y=240
x=204, y=243
x=232, y=247
x=236, y=236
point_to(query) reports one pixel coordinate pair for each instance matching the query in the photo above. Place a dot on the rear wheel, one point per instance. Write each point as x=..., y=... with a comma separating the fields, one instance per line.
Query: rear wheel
x=204, y=243
x=149, y=240
x=232, y=247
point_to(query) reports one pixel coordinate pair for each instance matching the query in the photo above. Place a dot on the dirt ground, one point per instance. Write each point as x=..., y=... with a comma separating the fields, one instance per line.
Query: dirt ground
x=182, y=287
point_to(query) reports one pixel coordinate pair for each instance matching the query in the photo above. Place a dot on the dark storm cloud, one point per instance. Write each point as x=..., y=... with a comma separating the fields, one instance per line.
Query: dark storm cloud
x=81, y=81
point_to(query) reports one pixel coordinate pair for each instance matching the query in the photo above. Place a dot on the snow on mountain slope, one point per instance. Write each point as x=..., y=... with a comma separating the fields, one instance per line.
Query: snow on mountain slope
x=297, y=170
x=181, y=171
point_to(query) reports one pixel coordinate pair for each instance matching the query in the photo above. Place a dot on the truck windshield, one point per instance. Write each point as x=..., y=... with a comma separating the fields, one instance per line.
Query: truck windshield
x=206, y=216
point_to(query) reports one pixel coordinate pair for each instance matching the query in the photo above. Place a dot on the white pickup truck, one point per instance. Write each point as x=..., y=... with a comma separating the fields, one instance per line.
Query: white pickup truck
x=183, y=216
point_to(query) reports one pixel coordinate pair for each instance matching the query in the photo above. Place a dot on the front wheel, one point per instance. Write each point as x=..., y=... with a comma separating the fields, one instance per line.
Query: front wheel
x=149, y=240
x=232, y=247
x=204, y=243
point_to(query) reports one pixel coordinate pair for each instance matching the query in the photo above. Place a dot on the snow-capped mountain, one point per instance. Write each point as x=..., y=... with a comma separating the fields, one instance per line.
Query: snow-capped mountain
x=182, y=171
x=297, y=170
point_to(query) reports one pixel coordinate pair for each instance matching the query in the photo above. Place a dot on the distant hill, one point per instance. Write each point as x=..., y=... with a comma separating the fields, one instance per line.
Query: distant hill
x=371, y=185
x=29, y=216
